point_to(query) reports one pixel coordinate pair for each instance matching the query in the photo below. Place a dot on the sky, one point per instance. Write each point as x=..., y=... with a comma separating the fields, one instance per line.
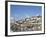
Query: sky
x=19, y=11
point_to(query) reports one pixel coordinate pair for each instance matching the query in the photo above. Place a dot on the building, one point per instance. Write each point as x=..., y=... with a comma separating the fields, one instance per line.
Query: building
x=33, y=23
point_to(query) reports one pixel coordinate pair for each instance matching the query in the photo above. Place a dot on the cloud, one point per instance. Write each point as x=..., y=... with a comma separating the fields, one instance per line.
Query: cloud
x=27, y=16
x=37, y=14
x=11, y=18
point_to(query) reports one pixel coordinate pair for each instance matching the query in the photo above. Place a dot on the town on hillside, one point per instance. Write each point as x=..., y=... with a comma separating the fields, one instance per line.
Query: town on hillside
x=33, y=23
